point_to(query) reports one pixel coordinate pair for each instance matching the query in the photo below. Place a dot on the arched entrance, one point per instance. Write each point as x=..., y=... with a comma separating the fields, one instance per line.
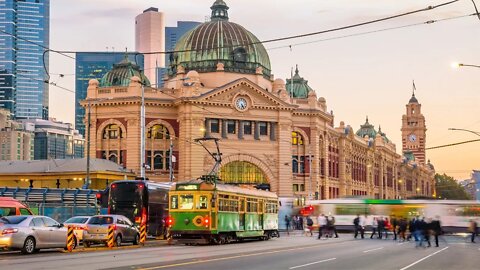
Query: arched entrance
x=242, y=172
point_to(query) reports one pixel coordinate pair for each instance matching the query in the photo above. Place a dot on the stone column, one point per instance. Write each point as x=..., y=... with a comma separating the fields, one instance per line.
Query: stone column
x=285, y=177
x=273, y=126
x=314, y=151
x=342, y=178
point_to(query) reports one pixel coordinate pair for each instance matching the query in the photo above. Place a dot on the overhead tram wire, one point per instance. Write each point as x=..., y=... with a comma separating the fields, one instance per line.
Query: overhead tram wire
x=312, y=33
x=452, y=144
x=64, y=52
x=372, y=32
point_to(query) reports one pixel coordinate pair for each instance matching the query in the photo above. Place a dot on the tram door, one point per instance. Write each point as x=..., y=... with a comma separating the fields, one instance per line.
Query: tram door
x=242, y=214
x=260, y=214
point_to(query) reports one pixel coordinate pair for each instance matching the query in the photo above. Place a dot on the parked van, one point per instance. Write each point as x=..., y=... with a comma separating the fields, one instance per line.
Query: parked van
x=11, y=207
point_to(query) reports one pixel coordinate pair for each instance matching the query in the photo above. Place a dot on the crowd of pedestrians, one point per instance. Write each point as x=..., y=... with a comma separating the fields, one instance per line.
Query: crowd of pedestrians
x=419, y=229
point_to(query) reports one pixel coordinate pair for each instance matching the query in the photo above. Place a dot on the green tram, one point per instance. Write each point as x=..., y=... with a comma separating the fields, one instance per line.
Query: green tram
x=203, y=213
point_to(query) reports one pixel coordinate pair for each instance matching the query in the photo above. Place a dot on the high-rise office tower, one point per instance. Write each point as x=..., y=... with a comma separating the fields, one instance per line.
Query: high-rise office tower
x=23, y=63
x=93, y=65
x=149, y=37
x=173, y=35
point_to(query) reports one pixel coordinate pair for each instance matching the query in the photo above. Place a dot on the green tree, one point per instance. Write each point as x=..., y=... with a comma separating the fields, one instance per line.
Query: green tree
x=448, y=188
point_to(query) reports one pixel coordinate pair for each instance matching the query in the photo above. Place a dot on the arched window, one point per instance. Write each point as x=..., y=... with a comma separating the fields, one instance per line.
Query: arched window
x=113, y=157
x=112, y=131
x=297, y=138
x=158, y=132
x=242, y=172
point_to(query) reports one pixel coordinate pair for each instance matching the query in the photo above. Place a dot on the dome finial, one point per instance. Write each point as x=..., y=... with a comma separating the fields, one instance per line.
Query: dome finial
x=379, y=129
x=296, y=69
x=219, y=10
x=366, y=121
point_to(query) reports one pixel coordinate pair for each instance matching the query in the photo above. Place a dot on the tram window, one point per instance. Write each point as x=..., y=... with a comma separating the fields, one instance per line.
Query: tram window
x=242, y=206
x=174, y=202
x=202, y=202
x=186, y=202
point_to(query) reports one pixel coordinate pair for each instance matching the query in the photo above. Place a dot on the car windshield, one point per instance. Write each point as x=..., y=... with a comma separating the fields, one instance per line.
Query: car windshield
x=77, y=220
x=100, y=220
x=12, y=219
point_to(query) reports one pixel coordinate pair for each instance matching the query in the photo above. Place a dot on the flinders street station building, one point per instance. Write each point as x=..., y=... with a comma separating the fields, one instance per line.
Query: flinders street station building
x=271, y=131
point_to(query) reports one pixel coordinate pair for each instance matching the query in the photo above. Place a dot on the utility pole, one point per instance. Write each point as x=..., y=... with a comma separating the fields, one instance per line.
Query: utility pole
x=87, y=179
x=310, y=174
x=170, y=161
x=142, y=135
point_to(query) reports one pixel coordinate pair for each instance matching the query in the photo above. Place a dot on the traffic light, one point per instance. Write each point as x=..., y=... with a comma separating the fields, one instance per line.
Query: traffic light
x=307, y=210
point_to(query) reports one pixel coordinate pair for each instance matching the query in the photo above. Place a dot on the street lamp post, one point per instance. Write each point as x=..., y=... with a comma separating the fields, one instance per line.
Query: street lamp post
x=458, y=65
x=466, y=130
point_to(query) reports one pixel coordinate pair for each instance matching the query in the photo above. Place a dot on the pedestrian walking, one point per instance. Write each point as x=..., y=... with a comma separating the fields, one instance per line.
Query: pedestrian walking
x=386, y=227
x=380, y=227
x=333, y=228
x=356, y=225
x=322, y=223
x=287, y=224
x=421, y=227
x=300, y=223
x=309, y=226
x=473, y=229
x=394, y=223
x=374, y=227
x=436, y=228
x=402, y=228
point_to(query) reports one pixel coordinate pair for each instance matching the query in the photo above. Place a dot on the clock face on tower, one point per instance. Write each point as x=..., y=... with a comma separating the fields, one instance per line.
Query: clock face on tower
x=412, y=138
x=241, y=104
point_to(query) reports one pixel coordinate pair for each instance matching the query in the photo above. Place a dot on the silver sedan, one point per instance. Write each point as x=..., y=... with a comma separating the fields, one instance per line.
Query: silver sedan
x=31, y=233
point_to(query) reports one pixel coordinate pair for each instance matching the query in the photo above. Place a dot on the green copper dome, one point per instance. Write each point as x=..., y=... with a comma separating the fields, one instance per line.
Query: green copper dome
x=220, y=41
x=121, y=74
x=297, y=86
x=367, y=129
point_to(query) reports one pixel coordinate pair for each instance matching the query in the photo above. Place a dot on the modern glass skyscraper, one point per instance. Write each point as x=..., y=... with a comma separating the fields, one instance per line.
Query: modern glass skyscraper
x=26, y=26
x=173, y=34
x=93, y=65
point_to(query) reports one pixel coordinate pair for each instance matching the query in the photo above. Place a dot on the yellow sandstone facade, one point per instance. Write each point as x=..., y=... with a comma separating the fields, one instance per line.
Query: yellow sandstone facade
x=271, y=132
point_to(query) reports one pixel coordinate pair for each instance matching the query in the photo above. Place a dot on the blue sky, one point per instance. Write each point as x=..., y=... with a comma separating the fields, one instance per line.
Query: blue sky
x=362, y=75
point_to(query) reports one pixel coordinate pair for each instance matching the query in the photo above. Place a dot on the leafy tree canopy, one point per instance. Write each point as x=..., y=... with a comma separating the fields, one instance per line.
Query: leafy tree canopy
x=448, y=188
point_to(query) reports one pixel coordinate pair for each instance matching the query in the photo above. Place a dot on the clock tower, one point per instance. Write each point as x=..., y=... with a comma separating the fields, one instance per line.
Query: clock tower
x=414, y=130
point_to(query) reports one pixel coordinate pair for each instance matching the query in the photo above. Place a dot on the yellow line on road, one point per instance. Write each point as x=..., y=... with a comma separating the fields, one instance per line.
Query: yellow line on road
x=226, y=258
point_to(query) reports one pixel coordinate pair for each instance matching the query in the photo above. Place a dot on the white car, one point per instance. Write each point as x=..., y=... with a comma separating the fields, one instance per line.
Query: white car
x=79, y=224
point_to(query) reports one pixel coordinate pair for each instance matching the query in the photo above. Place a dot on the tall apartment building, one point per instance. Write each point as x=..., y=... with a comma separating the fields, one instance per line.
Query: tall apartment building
x=55, y=140
x=93, y=65
x=149, y=37
x=22, y=60
x=16, y=143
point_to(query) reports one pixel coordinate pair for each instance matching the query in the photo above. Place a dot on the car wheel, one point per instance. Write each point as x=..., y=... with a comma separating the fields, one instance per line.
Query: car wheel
x=86, y=244
x=118, y=240
x=29, y=245
x=136, y=241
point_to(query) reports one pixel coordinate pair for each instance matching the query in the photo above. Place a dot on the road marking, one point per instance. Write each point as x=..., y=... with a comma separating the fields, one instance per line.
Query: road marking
x=298, y=266
x=424, y=258
x=365, y=251
x=231, y=257
x=399, y=244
